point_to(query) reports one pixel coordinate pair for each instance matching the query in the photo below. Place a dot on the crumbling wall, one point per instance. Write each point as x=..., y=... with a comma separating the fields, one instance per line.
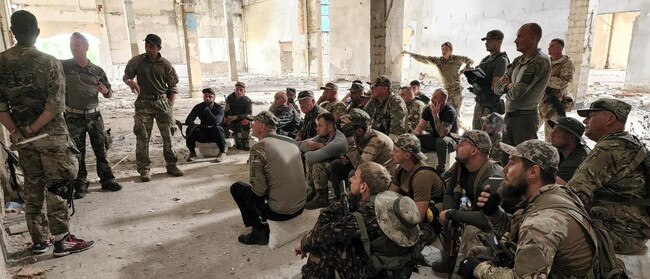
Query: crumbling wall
x=349, y=42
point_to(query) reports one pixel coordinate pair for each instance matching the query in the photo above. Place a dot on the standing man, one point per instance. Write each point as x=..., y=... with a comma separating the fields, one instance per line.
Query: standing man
x=443, y=119
x=276, y=190
x=557, y=100
x=84, y=81
x=450, y=67
x=414, y=108
x=288, y=119
x=156, y=89
x=611, y=181
x=491, y=69
x=312, y=110
x=567, y=138
x=330, y=101
x=387, y=111
x=415, y=85
x=523, y=84
x=32, y=93
x=239, y=109
x=211, y=115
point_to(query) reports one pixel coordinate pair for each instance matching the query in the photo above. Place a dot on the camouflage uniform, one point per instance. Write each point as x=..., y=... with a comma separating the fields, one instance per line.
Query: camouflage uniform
x=494, y=66
x=156, y=79
x=389, y=116
x=493, y=124
x=32, y=82
x=308, y=128
x=337, y=107
x=243, y=109
x=82, y=116
x=552, y=237
x=561, y=75
x=288, y=120
x=415, y=108
x=450, y=72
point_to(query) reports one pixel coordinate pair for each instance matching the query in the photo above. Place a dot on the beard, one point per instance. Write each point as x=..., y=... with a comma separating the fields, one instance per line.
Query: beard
x=515, y=191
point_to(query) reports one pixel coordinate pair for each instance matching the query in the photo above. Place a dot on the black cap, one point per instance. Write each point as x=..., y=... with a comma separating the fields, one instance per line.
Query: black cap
x=153, y=39
x=493, y=35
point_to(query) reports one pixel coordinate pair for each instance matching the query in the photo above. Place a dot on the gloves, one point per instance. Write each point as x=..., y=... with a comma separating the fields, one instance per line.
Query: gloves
x=492, y=204
x=467, y=266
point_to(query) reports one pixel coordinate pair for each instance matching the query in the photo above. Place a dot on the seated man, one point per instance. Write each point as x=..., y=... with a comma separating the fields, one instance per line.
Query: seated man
x=470, y=173
x=311, y=110
x=291, y=99
x=289, y=119
x=419, y=95
x=330, y=101
x=414, y=108
x=443, y=119
x=211, y=115
x=276, y=191
x=238, y=112
x=328, y=144
x=387, y=110
x=335, y=245
x=492, y=125
x=566, y=136
x=416, y=180
x=364, y=144
x=358, y=98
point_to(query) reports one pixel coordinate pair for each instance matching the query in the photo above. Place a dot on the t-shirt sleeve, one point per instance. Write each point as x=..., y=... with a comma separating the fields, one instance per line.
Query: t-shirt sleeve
x=426, y=114
x=448, y=116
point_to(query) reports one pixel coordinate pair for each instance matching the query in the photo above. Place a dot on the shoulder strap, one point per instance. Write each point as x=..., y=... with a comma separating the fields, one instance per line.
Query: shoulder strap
x=428, y=168
x=363, y=232
x=481, y=172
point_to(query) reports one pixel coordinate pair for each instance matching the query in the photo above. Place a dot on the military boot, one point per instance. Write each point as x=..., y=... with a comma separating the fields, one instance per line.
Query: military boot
x=80, y=188
x=321, y=200
x=111, y=186
x=442, y=265
x=259, y=235
x=174, y=170
x=192, y=156
x=145, y=176
x=245, y=144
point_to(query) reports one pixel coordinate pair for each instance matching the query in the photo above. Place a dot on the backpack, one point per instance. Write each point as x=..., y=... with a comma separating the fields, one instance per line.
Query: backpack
x=421, y=168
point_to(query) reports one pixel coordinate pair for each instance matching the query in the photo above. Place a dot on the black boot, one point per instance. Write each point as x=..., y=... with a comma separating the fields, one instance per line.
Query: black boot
x=245, y=144
x=258, y=236
x=111, y=186
x=441, y=266
x=319, y=201
x=80, y=188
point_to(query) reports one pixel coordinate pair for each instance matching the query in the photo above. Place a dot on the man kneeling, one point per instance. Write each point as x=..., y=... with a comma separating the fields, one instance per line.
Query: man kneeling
x=276, y=191
x=376, y=240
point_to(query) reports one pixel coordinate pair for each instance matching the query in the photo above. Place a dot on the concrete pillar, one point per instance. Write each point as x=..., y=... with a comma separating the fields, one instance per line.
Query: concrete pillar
x=7, y=40
x=319, y=46
x=232, y=55
x=104, y=41
x=582, y=16
x=130, y=26
x=386, y=24
x=637, y=75
x=190, y=25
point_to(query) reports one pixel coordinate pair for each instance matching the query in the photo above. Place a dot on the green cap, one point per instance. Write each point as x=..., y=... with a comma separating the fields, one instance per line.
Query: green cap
x=539, y=152
x=410, y=143
x=479, y=139
x=619, y=108
x=571, y=125
x=268, y=118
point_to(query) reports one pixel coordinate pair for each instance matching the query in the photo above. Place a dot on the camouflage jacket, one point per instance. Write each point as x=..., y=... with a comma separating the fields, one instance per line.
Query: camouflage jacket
x=551, y=242
x=529, y=78
x=561, y=75
x=337, y=108
x=373, y=146
x=415, y=108
x=31, y=82
x=82, y=82
x=450, y=69
x=240, y=107
x=288, y=119
x=606, y=174
x=389, y=116
x=154, y=77
x=308, y=128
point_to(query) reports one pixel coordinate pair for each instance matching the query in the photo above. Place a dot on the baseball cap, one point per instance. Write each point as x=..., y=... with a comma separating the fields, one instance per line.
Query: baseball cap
x=241, y=84
x=539, y=152
x=478, y=139
x=330, y=86
x=494, y=34
x=382, y=81
x=398, y=218
x=571, y=125
x=305, y=94
x=358, y=117
x=619, y=108
x=153, y=39
x=410, y=143
x=268, y=118
x=356, y=87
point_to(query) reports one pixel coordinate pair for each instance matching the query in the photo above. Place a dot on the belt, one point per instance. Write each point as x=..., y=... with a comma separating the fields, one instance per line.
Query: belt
x=81, y=111
x=150, y=96
x=521, y=113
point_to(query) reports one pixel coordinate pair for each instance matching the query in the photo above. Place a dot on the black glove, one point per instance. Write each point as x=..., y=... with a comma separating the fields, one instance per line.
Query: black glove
x=492, y=205
x=467, y=266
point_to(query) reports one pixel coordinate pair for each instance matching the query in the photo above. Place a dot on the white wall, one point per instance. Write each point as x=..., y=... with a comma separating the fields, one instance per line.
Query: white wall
x=349, y=45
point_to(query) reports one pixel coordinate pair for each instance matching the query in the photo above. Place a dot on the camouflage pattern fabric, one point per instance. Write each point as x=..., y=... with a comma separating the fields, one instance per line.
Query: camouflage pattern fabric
x=288, y=120
x=146, y=110
x=308, y=129
x=607, y=172
x=243, y=109
x=389, y=116
x=492, y=124
x=93, y=124
x=373, y=146
x=154, y=77
x=318, y=175
x=561, y=75
x=617, y=107
x=455, y=98
x=479, y=139
x=398, y=218
x=268, y=118
x=81, y=84
x=337, y=108
x=414, y=108
x=539, y=152
x=31, y=82
x=480, y=111
x=410, y=143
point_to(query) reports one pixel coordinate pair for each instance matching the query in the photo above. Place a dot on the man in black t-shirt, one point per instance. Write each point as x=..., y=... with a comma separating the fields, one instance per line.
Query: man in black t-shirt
x=211, y=115
x=443, y=120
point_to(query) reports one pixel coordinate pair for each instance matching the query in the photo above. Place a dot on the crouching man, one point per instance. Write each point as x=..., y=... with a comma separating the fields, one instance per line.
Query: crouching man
x=382, y=223
x=276, y=191
x=210, y=114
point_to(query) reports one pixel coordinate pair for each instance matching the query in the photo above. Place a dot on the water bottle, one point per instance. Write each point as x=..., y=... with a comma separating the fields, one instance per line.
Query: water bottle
x=465, y=204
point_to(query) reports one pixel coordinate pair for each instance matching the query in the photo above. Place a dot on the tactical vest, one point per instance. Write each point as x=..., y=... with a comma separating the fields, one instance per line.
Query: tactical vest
x=604, y=264
x=486, y=97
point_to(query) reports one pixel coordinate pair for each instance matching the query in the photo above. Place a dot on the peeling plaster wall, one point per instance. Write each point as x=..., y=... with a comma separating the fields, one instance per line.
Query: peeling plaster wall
x=349, y=39
x=465, y=22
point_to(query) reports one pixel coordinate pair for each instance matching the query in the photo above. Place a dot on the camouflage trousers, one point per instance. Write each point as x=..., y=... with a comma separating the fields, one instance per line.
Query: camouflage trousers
x=547, y=129
x=148, y=108
x=455, y=97
x=495, y=151
x=239, y=131
x=93, y=125
x=479, y=111
x=336, y=261
x=318, y=175
x=44, y=163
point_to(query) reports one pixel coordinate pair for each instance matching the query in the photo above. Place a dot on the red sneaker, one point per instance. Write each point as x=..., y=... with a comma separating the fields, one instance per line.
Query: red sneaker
x=70, y=244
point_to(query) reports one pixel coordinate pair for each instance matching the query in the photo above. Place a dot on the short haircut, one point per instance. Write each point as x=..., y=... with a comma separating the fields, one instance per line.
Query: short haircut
x=328, y=117
x=415, y=83
x=376, y=176
x=208, y=91
x=441, y=90
x=23, y=23
x=558, y=41
x=79, y=36
x=535, y=30
x=547, y=177
x=405, y=88
x=447, y=44
x=283, y=94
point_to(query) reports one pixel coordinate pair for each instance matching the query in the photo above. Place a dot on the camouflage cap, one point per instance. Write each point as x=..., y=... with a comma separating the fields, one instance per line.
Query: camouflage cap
x=153, y=39
x=291, y=90
x=398, y=218
x=539, y=152
x=356, y=87
x=479, y=139
x=330, y=86
x=305, y=94
x=410, y=143
x=241, y=84
x=493, y=35
x=382, y=81
x=571, y=125
x=268, y=118
x=358, y=117
x=619, y=108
